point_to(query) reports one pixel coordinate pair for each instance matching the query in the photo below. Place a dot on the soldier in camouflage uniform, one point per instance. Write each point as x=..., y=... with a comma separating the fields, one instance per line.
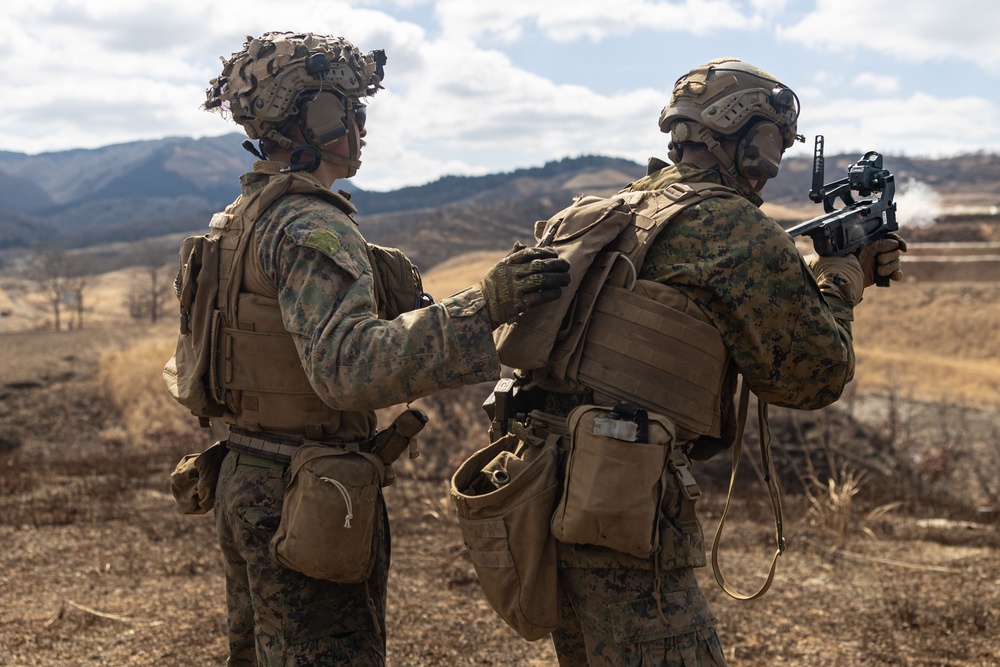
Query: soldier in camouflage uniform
x=785, y=325
x=309, y=277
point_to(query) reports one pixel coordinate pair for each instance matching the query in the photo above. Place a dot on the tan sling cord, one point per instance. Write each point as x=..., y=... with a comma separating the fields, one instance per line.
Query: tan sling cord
x=772, y=486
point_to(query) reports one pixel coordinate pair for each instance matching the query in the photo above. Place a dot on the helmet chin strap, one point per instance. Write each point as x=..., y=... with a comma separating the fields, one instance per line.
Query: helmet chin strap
x=352, y=163
x=727, y=163
x=706, y=137
x=319, y=155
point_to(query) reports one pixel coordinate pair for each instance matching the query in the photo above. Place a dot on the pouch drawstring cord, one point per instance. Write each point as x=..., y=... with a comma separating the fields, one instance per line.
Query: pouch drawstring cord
x=347, y=499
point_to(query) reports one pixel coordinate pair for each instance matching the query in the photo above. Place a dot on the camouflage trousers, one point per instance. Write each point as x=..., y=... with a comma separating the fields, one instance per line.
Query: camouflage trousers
x=611, y=619
x=279, y=617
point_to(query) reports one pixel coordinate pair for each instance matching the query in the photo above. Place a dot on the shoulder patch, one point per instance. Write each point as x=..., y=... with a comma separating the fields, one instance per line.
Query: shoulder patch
x=324, y=241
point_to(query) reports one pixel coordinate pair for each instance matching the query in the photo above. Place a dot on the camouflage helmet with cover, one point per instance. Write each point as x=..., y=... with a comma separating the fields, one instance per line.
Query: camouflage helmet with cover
x=730, y=99
x=281, y=80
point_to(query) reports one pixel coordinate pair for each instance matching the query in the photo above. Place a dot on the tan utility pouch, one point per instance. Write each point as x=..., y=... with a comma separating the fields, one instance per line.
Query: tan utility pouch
x=330, y=512
x=505, y=494
x=193, y=480
x=614, y=485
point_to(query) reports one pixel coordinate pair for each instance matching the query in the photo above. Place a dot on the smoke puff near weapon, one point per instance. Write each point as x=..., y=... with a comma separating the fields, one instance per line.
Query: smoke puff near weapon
x=920, y=204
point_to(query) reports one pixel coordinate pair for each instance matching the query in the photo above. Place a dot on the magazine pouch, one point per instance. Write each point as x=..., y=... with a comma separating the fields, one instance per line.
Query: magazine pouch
x=616, y=475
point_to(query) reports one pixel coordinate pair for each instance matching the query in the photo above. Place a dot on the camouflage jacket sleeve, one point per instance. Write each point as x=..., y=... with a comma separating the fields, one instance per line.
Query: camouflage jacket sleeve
x=792, y=345
x=316, y=257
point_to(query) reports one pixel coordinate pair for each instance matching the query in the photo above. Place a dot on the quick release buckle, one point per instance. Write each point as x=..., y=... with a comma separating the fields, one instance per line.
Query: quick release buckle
x=689, y=486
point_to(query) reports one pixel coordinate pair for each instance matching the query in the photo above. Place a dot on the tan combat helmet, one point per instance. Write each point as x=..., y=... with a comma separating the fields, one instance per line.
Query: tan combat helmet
x=281, y=80
x=730, y=99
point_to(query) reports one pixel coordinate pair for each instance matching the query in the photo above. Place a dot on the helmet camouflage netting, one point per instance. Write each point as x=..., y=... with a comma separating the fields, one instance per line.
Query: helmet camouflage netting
x=260, y=86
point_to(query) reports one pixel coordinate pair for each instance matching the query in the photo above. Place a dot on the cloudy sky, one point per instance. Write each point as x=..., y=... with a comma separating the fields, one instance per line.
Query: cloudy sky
x=480, y=86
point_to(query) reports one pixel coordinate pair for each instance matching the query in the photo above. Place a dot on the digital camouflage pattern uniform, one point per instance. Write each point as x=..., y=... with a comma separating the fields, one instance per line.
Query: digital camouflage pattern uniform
x=792, y=344
x=316, y=256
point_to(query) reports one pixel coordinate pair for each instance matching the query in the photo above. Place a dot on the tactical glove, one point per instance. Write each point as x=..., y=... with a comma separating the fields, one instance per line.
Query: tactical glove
x=881, y=258
x=525, y=278
x=840, y=277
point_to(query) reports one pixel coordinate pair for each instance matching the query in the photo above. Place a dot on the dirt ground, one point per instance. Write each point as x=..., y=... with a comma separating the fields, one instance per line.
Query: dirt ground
x=98, y=568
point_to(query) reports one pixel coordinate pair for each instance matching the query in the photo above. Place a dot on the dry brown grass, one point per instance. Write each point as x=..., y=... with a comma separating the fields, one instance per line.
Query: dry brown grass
x=131, y=380
x=102, y=570
x=922, y=341
x=458, y=273
x=931, y=341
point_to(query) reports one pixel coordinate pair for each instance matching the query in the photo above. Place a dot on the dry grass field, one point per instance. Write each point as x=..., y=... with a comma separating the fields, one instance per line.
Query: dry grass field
x=892, y=501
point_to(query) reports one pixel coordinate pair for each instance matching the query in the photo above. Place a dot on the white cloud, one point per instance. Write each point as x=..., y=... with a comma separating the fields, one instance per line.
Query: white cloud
x=568, y=20
x=85, y=73
x=918, y=125
x=877, y=83
x=502, y=120
x=914, y=31
x=88, y=73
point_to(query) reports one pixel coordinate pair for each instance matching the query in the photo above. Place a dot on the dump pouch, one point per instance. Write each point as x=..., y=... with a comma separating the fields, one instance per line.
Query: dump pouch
x=616, y=476
x=193, y=480
x=505, y=523
x=330, y=512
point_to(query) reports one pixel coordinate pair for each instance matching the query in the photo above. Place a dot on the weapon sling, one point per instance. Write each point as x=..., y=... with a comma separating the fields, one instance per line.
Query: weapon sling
x=772, y=486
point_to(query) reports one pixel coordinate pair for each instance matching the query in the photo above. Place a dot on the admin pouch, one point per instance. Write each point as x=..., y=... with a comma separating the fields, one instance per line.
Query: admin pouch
x=505, y=495
x=193, y=480
x=617, y=474
x=330, y=512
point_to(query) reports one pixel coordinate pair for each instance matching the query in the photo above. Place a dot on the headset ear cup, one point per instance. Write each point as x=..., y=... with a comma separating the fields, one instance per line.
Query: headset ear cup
x=674, y=152
x=758, y=155
x=323, y=120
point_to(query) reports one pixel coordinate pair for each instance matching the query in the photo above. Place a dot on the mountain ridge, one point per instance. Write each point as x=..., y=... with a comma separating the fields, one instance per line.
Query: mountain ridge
x=85, y=198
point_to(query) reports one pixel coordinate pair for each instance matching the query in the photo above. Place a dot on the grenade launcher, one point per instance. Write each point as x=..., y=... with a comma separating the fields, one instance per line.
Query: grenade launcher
x=859, y=222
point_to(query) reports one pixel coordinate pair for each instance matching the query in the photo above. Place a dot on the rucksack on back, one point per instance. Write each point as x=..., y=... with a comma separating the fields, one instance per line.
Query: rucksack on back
x=577, y=233
x=591, y=234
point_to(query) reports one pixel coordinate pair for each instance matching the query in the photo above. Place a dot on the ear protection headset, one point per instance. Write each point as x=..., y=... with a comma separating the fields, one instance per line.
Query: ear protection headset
x=284, y=80
x=727, y=99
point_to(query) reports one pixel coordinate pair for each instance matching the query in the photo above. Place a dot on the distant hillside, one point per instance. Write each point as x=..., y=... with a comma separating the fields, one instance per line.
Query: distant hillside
x=21, y=194
x=144, y=187
x=451, y=189
x=496, y=210
x=153, y=189
x=955, y=178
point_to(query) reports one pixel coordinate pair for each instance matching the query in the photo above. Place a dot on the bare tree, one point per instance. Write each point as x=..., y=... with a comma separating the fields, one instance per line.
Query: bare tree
x=148, y=299
x=79, y=279
x=46, y=267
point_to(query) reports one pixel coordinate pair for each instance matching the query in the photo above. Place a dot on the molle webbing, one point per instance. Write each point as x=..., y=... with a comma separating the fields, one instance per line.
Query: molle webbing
x=639, y=350
x=257, y=368
x=625, y=344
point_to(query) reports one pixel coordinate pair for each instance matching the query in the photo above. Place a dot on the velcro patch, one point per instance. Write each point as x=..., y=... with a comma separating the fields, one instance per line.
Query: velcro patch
x=324, y=241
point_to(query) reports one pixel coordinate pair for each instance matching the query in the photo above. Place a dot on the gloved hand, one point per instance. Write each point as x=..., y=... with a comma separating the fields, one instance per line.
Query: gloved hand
x=525, y=278
x=881, y=258
x=841, y=277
